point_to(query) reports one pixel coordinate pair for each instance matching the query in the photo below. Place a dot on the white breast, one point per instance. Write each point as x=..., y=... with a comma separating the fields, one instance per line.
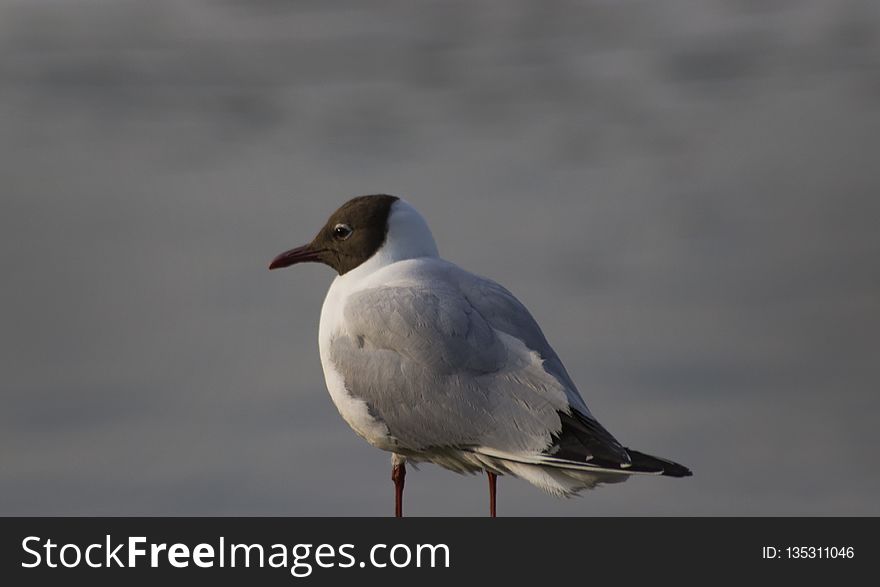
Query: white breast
x=353, y=410
x=408, y=238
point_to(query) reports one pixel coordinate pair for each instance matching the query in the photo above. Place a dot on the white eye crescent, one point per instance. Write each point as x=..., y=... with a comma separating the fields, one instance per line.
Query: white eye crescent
x=341, y=231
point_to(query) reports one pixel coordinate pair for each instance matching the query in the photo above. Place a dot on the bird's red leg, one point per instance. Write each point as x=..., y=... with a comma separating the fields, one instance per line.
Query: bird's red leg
x=492, y=486
x=398, y=475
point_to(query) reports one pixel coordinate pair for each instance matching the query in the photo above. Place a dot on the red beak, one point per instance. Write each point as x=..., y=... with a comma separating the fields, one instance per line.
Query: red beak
x=303, y=254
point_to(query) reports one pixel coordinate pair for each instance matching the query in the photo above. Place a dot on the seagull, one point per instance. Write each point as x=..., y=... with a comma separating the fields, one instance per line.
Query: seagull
x=435, y=364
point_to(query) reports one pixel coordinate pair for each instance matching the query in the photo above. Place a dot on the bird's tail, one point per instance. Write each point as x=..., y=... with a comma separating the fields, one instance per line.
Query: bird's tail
x=566, y=477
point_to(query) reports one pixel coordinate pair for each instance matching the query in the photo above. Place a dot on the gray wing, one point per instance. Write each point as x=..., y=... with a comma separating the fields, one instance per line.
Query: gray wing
x=580, y=436
x=470, y=368
x=505, y=313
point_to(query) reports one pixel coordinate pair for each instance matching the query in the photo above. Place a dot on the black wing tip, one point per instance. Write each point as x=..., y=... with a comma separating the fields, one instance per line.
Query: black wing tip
x=666, y=468
x=582, y=438
x=676, y=470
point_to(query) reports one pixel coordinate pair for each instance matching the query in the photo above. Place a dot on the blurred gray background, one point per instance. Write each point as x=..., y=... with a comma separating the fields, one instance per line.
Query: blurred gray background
x=684, y=193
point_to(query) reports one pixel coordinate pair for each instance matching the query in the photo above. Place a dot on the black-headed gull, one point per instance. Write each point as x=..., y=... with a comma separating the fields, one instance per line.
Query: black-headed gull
x=432, y=363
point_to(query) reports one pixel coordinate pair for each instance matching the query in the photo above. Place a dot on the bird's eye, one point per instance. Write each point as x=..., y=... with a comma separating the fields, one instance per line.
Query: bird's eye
x=341, y=232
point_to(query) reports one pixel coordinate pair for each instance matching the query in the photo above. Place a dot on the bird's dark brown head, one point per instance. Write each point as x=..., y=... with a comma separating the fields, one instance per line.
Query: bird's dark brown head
x=350, y=236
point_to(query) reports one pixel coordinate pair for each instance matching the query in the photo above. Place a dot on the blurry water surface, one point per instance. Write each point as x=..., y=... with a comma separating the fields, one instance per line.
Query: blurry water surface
x=685, y=193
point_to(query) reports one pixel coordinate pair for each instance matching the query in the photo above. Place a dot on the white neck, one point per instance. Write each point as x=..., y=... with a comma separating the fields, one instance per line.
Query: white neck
x=408, y=237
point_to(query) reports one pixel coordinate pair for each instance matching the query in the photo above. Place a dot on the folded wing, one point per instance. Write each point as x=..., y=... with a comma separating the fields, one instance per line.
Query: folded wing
x=472, y=371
